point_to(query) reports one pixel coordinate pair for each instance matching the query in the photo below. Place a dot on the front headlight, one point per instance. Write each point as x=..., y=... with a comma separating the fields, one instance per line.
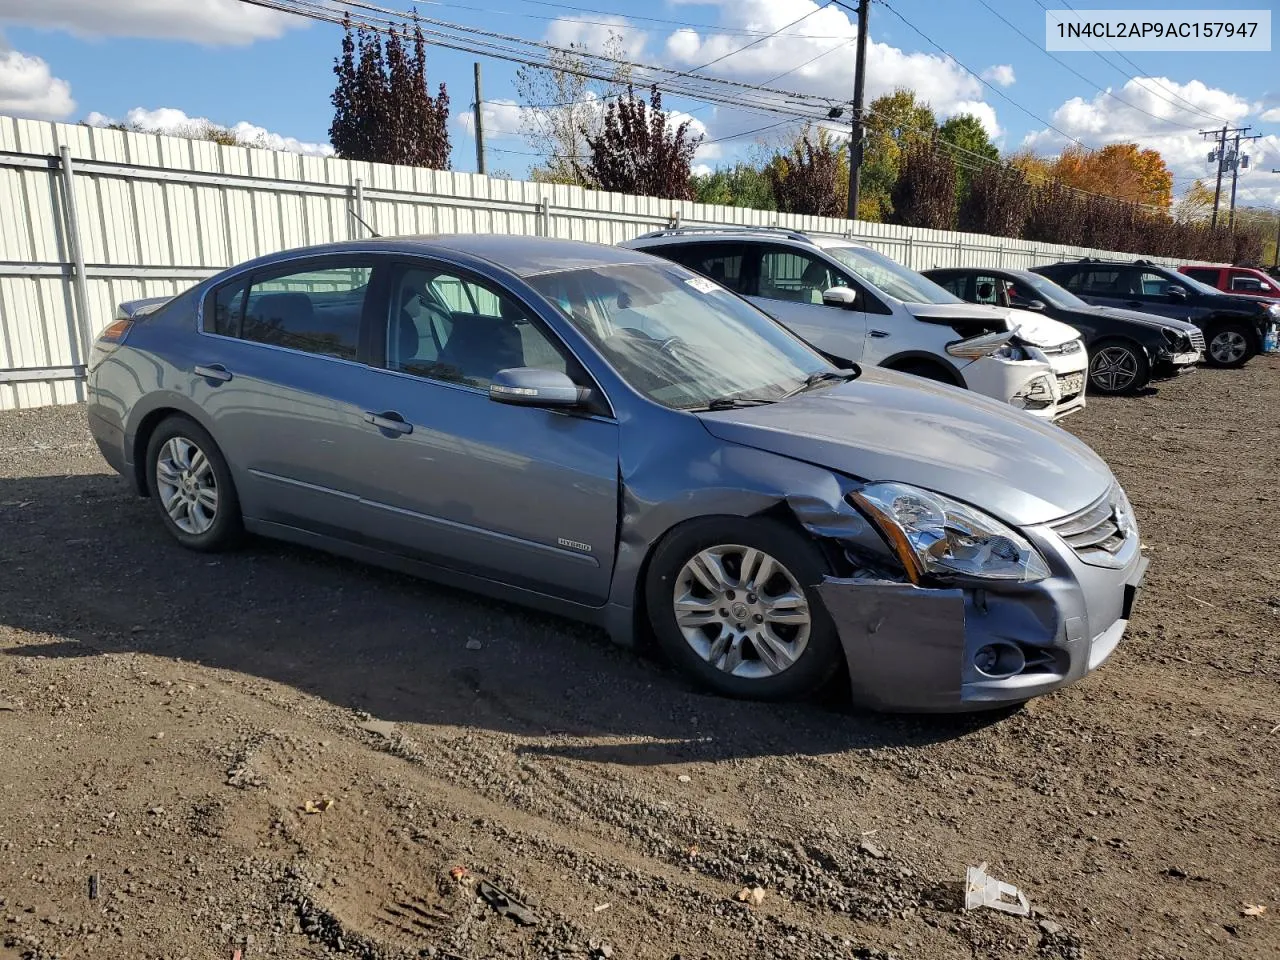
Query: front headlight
x=1123, y=511
x=936, y=535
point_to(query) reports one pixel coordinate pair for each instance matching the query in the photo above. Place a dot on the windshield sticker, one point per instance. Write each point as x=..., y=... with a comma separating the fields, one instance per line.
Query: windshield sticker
x=703, y=285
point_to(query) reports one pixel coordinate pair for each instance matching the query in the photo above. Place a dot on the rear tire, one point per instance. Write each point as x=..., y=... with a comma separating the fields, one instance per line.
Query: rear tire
x=1118, y=367
x=733, y=603
x=1228, y=346
x=191, y=485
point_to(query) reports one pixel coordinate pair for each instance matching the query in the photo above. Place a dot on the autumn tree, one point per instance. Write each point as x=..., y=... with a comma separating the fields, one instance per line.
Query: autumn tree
x=382, y=110
x=893, y=122
x=997, y=200
x=1121, y=170
x=638, y=150
x=925, y=193
x=812, y=177
x=1195, y=204
x=563, y=107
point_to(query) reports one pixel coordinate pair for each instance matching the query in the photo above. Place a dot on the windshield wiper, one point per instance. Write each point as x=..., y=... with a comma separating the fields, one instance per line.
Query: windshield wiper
x=817, y=377
x=728, y=403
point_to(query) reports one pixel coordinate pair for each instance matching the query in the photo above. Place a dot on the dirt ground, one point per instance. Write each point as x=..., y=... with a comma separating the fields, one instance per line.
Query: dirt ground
x=166, y=717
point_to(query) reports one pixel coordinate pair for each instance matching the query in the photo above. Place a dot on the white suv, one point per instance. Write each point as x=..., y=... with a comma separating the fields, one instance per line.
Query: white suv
x=859, y=305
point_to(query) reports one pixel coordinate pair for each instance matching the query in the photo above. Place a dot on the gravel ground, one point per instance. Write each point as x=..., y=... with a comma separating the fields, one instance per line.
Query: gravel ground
x=168, y=719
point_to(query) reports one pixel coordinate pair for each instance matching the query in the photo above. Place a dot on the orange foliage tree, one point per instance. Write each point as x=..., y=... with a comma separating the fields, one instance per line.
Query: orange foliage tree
x=1121, y=170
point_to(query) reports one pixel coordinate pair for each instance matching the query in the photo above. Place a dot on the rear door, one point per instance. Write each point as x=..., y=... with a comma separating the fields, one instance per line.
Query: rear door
x=278, y=370
x=1105, y=284
x=788, y=283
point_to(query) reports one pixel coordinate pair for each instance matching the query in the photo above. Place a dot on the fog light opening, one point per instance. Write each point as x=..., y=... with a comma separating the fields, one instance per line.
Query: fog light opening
x=999, y=661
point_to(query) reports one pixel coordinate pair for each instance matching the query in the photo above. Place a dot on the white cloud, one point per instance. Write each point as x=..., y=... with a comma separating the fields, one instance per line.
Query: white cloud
x=202, y=21
x=596, y=34
x=825, y=38
x=170, y=120
x=1001, y=74
x=28, y=88
x=1168, y=124
x=501, y=119
x=1271, y=116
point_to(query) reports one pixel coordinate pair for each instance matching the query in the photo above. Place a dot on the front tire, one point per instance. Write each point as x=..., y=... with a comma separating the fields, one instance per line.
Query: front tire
x=1118, y=367
x=733, y=603
x=191, y=485
x=1229, y=346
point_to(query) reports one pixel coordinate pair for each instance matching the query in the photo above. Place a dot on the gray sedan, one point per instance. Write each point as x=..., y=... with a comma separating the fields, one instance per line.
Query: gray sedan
x=599, y=433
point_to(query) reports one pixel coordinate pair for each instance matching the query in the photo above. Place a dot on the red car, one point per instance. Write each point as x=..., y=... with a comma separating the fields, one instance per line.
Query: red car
x=1245, y=280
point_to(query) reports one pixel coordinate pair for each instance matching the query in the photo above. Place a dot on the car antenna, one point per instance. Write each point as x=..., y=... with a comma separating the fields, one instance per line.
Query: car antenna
x=352, y=210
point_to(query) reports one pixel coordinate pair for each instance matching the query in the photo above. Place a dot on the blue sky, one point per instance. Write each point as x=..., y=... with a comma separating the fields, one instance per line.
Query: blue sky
x=233, y=63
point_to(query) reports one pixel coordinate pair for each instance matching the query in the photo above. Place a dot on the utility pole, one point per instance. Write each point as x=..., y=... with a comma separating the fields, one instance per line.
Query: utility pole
x=1224, y=158
x=1235, y=161
x=859, y=90
x=1217, y=155
x=479, y=114
x=1275, y=265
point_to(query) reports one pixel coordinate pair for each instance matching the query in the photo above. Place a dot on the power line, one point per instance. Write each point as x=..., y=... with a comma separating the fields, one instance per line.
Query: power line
x=1139, y=80
x=1066, y=66
x=761, y=39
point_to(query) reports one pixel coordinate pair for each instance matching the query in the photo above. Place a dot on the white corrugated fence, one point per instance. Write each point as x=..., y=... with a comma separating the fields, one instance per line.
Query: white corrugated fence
x=92, y=217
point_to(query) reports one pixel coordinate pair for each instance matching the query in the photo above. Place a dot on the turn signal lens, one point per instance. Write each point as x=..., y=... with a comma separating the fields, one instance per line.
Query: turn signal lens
x=116, y=332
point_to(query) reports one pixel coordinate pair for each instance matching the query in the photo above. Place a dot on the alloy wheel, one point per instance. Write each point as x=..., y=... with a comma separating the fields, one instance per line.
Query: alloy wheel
x=742, y=611
x=1228, y=346
x=1114, y=369
x=187, y=486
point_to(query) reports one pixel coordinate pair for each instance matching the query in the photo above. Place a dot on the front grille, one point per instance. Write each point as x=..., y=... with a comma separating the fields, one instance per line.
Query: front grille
x=1064, y=349
x=1197, y=339
x=1094, y=532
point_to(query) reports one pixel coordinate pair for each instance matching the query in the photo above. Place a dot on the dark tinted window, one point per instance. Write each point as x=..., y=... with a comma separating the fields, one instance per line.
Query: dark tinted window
x=954, y=285
x=1207, y=275
x=1103, y=282
x=1249, y=284
x=316, y=311
x=222, y=310
x=722, y=262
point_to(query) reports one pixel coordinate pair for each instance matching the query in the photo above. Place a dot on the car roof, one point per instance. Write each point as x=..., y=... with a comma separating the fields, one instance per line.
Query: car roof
x=719, y=234
x=524, y=256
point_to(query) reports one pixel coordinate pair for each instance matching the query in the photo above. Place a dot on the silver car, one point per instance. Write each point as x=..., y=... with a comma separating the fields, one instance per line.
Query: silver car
x=607, y=435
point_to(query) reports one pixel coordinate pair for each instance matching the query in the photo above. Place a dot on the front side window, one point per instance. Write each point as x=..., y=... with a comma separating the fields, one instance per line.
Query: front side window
x=457, y=329
x=316, y=311
x=677, y=339
x=890, y=277
x=1250, y=284
x=1155, y=284
x=789, y=274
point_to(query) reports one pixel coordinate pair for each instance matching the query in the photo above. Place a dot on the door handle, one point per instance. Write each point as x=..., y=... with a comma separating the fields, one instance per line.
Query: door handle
x=877, y=333
x=213, y=371
x=1133, y=303
x=388, y=420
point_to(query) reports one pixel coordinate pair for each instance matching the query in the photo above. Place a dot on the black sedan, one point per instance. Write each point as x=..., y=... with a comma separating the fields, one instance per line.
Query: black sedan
x=1127, y=349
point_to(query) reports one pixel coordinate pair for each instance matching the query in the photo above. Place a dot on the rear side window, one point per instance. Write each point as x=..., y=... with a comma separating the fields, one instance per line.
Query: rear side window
x=223, y=313
x=315, y=311
x=1204, y=275
x=1102, y=282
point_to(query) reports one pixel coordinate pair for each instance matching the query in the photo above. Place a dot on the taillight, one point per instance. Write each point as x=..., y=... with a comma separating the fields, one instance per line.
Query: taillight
x=116, y=332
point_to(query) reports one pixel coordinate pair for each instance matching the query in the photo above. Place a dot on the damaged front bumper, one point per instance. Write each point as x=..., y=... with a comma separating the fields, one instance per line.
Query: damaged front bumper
x=920, y=649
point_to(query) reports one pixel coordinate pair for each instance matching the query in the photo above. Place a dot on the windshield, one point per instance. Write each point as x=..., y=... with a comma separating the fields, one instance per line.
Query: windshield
x=890, y=277
x=680, y=339
x=1046, y=290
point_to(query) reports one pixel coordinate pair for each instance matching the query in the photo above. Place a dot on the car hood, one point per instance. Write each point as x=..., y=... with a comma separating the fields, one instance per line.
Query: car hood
x=1137, y=316
x=1036, y=329
x=892, y=426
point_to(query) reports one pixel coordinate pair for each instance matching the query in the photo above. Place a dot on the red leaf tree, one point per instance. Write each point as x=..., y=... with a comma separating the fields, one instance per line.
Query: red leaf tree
x=638, y=150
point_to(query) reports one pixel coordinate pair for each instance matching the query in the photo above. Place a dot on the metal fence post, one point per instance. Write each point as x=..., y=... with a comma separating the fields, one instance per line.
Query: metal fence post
x=79, y=284
x=357, y=206
x=544, y=217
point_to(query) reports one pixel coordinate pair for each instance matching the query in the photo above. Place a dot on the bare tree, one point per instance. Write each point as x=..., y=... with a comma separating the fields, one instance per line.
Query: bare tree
x=563, y=107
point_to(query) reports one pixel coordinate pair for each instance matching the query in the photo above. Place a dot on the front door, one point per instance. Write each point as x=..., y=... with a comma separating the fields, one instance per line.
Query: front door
x=518, y=494
x=788, y=283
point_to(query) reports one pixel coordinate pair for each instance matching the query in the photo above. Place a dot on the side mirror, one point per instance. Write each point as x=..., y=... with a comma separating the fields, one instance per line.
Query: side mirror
x=843, y=297
x=1177, y=292
x=531, y=387
x=1037, y=305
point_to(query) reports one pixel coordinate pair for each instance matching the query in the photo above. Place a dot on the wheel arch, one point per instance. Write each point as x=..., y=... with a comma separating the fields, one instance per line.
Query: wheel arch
x=906, y=357
x=143, y=423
